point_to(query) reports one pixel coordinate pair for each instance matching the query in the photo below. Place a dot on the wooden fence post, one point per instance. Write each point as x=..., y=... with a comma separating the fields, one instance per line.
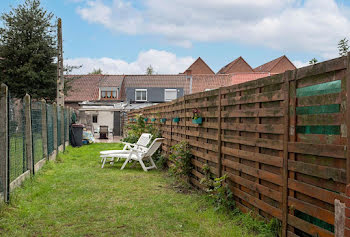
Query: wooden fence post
x=219, y=135
x=348, y=119
x=62, y=127
x=4, y=144
x=28, y=133
x=286, y=78
x=44, y=128
x=54, y=113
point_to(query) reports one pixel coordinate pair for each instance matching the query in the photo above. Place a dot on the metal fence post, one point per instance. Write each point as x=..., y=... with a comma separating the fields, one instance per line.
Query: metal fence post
x=62, y=128
x=54, y=111
x=4, y=145
x=28, y=133
x=44, y=128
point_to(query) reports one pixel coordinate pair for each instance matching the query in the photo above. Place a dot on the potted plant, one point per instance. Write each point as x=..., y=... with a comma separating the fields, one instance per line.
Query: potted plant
x=163, y=120
x=196, y=118
x=153, y=119
x=176, y=120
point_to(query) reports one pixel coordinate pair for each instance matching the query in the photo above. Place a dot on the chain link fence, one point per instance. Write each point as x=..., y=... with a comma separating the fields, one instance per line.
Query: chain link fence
x=37, y=138
x=31, y=132
x=66, y=114
x=50, y=133
x=59, y=142
x=16, y=136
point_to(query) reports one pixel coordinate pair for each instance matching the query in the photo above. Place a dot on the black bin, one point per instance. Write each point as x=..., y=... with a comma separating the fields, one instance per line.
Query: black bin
x=77, y=135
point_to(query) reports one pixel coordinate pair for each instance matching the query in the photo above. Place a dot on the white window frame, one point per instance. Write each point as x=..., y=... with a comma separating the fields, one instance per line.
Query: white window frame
x=169, y=90
x=139, y=90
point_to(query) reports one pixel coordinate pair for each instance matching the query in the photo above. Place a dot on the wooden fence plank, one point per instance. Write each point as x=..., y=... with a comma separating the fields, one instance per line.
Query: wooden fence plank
x=338, y=175
x=262, y=174
x=247, y=155
x=336, y=151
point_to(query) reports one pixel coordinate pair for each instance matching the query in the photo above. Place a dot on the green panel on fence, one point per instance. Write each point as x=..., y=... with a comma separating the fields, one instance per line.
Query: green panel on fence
x=327, y=129
x=38, y=153
x=320, y=89
x=59, y=142
x=322, y=109
x=314, y=220
x=49, y=117
x=17, y=151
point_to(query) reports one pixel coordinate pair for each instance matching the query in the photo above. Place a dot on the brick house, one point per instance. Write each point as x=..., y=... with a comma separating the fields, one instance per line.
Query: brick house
x=239, y=71
x=199, y=67
x=276, y=66
x=236, y=66
x=102, y=100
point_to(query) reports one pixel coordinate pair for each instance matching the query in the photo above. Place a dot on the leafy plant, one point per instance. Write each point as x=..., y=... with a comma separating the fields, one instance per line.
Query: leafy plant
x=180, y=158
x=218, y=190
x=135, y=130
x=196, y=113
x=160, y=160
x=275, y=226
x=343, y=47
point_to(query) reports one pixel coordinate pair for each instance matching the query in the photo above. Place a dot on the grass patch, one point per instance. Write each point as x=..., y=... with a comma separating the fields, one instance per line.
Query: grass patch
x=75, y=197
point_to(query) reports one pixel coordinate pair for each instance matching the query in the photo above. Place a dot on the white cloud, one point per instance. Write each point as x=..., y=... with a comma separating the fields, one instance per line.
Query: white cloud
x=289, y=25
x=163, y=62
x=300, y=64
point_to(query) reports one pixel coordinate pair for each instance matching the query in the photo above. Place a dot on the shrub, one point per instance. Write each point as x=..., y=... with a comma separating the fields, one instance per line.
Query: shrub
x=135, y=130
x=180, y=158
x=220, y=194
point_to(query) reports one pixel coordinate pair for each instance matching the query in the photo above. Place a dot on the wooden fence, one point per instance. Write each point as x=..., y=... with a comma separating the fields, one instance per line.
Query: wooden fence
x=281, y=140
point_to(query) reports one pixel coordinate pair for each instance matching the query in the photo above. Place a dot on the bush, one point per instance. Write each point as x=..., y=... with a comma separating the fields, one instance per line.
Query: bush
x=180, y=158
x=220, y=194
x=135, y=130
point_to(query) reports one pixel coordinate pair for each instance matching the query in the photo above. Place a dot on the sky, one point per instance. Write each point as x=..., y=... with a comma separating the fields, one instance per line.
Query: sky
x=126, y=36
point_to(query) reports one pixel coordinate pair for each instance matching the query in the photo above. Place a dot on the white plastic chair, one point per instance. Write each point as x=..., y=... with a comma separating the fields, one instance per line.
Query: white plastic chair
x=140, y=155
x=143, y=141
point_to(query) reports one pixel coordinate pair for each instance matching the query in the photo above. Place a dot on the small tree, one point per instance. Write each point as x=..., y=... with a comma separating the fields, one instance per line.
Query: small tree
x=96, y=71
x=150, y=70
x=343, y=47
x=28, y=48
x=313, y=61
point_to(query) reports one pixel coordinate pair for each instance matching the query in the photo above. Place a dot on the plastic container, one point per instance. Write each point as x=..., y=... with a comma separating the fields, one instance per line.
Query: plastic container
x=197, y=121
x=77, y=135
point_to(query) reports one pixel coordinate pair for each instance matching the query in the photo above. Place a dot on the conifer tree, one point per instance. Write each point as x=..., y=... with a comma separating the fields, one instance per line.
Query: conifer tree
x=28, y=50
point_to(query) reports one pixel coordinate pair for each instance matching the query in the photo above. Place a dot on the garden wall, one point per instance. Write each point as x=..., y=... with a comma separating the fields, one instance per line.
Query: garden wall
x=282, y=141
x=31, y=132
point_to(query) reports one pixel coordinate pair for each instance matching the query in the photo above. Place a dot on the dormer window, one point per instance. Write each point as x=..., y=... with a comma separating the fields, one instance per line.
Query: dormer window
x=109, y=93
x=141, y=95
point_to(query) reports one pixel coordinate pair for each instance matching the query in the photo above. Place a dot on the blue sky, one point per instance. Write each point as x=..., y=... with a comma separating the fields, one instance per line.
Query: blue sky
x=124, y=36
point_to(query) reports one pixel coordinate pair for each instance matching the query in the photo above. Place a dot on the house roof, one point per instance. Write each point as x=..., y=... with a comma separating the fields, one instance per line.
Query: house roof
x=83, y=87
x=111, y=81
x=237, y=65
x=199, y=67
x=269, y=66
x=244, y=77
x=164, y=81
x=202, y=82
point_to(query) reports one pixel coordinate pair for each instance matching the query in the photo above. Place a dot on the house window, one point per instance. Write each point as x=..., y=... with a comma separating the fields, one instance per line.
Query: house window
x=109, y=94
x=170, y=94
x=141, y=94
x=94, y=118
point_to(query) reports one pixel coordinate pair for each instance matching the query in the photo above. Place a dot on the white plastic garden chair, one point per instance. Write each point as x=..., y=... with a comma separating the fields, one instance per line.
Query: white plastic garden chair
x=141, y=154
x=109, y=155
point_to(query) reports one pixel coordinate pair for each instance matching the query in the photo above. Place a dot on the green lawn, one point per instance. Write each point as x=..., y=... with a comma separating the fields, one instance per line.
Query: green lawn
x=75, y=197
